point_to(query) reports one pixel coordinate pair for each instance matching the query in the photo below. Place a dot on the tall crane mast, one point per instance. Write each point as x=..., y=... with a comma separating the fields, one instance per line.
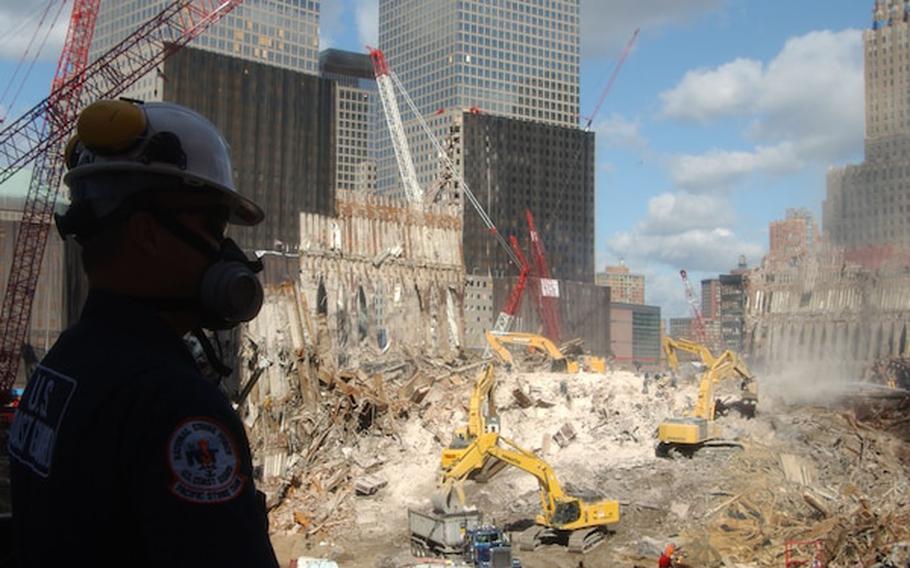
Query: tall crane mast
x=396, y=128
x=698, y=323
x=41, y=133
x=546, y=288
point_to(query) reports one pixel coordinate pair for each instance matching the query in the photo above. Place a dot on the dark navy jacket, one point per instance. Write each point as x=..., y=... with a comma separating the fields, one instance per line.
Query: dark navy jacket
x=123, y=455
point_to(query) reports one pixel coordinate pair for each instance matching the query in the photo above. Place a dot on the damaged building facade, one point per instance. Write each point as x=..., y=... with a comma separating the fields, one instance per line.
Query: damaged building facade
x=384, y=275
x=826, y=309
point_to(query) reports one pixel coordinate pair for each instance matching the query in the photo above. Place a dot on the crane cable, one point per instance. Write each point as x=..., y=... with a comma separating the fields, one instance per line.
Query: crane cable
x=547, y=223
x=35, y=56
x=448, y=161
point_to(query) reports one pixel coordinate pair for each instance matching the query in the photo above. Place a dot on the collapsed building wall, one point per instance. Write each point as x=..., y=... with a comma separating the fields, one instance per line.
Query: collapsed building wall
x=824, y=310
x=383, y=275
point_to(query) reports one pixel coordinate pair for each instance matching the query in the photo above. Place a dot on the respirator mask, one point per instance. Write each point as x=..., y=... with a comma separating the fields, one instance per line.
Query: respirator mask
x=230, y=292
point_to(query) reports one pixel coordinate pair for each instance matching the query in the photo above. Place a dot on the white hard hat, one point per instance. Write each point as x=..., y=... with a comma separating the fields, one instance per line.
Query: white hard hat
x=164, y=139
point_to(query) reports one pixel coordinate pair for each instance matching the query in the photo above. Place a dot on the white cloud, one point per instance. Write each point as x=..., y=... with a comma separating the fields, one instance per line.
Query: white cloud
x=805, y=106
x=671, y=213
x=721, y=169
x=19, y=24
x=707, y=250
x=607, y=26
x=709, y=93
x=682, y=230
x=618, y=131
x=366, y=14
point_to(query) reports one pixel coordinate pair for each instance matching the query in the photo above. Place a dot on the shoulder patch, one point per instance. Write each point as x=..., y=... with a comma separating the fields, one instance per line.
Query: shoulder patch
x=203, y=458
x=33, y=434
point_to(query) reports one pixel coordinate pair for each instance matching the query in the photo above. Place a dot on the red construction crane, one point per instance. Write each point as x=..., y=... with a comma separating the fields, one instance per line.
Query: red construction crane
x=613, y=76
x=507, y=315
x=41, y=133
x=546, y=289
x=698, y=323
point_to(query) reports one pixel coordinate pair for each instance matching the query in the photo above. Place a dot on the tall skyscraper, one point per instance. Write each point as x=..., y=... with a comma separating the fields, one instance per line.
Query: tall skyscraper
x=498, y=83
x=356, y=94
x=868, y=204
x=516, y=59
x=283, y=33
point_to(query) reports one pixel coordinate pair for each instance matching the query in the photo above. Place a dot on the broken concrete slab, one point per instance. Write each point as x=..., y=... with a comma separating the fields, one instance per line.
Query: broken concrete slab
x=369, y=485
x=564, y=436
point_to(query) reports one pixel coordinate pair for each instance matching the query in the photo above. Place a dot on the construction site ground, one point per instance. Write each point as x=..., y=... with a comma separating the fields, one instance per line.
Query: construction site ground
x=825, y=461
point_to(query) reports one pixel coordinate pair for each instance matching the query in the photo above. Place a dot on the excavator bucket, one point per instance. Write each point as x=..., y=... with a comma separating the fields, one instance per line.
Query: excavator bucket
x=449, y=498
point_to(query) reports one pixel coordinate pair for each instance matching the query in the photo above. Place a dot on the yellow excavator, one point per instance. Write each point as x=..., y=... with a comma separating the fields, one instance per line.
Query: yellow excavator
x=688, y=434
x=569, y=520
x=478, y=452
x=559, y=362
x=482, y=417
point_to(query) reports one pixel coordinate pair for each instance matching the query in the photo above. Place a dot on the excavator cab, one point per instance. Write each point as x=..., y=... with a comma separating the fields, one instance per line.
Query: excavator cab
x=567, y=511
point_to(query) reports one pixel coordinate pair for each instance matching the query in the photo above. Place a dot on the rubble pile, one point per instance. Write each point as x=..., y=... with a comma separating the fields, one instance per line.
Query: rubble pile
x=807, y=476
x=344, y=446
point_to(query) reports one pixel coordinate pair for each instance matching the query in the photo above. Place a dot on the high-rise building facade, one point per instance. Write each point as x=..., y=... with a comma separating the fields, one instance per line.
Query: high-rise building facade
x=283, y=33
x=625, y=287
x=517, y=59
x=710, y=298
x=282, y=150
x=869, y=204
x=515, y=165
x=355, y=95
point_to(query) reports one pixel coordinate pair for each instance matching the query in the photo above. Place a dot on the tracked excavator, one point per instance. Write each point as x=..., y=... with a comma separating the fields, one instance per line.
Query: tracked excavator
x=559, y=362
x=478, y=452
x=565, y=519
x=686, y=435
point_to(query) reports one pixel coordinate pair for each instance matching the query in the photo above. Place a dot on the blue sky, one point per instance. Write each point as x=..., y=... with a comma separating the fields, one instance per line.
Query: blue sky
x=726, y=113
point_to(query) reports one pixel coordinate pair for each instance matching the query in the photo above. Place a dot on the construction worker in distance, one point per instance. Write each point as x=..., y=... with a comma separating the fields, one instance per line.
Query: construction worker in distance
x=121, y=453
x=666, y=559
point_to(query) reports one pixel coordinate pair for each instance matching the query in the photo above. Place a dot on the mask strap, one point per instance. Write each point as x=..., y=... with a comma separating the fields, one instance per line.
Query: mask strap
x=217, y=365
x=182, y=233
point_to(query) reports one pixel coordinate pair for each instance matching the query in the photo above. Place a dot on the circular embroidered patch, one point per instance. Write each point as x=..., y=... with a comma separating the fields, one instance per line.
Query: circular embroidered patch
x=203, y=459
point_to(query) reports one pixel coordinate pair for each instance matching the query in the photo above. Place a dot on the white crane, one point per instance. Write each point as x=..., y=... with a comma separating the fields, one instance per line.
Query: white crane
x=396, y=128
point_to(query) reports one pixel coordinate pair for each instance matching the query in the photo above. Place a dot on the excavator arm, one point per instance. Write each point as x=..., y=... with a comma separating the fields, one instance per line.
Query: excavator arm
x=559, y=510
x=671, y=346
x=532, y=341
x=728, y=365
x=493, y=339
x=481, y=396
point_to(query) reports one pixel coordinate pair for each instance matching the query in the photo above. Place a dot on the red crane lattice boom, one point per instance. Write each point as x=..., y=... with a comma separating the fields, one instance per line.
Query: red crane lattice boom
x=546, y=289
x=697, y=328
x=41, y=133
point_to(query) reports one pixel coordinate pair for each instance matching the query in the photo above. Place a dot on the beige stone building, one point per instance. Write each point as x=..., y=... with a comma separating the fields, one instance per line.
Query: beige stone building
x=625, y=287
x=868, y=204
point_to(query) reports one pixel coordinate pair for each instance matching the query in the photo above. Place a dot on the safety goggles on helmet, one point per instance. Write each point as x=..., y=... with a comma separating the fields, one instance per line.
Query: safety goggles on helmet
x=126, y=138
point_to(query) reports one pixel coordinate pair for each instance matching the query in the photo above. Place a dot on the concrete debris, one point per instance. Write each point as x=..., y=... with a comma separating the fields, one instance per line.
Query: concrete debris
x=369, y=484
x=680, y=509
x=565, y=435
x=797, y=469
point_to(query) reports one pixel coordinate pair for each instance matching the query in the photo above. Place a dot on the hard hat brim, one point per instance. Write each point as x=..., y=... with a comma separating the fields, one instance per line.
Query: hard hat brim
x=242, y=210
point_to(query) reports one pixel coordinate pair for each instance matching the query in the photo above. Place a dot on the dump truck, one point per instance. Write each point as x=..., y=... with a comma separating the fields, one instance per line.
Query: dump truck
x=441, y=534
x=460, y=536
